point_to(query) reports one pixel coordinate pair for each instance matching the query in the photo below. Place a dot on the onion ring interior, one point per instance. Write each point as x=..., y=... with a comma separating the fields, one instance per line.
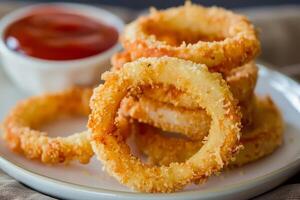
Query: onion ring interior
x=259, y=140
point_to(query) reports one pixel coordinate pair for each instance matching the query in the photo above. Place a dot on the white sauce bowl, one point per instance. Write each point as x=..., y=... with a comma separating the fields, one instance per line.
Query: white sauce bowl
x=36, y=76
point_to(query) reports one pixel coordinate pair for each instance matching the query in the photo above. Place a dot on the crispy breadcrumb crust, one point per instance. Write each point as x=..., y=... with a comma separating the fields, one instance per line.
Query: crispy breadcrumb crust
x=149, y=109
x=222, y=142
x=264, y=136
x=259, y=140
x=241, y=80
x=194, y=123
x=21, y=134
x=238, y=45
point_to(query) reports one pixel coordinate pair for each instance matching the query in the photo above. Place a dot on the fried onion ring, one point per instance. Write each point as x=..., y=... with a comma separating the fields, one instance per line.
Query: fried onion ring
x=241, y=80
x=264, y=136
x=148, y=109
x=259, y=140
x=21, y=124
x=216, y=37
x=20, y=127
x=222, y=142
x=193, y=123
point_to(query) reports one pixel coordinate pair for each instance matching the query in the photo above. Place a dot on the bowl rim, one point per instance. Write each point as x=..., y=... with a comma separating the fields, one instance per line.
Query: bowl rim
x=96, y=13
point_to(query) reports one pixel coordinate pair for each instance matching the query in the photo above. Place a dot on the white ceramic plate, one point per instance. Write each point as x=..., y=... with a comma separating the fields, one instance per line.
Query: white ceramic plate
x=90, y=182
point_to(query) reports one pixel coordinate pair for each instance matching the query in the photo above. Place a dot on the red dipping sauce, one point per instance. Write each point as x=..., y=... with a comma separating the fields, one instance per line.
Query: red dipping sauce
x=55, y=33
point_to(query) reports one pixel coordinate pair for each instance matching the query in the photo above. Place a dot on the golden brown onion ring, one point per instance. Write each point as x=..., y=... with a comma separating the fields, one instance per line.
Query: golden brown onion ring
x=241, y=80
x=216, y=37
x=222, y=142
x=265, y=134
x=194, y=123
x=20, y=127
x=259, y=140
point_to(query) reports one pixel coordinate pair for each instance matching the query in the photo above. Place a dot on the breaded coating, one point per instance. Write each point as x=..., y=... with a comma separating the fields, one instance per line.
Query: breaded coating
x=208, y=90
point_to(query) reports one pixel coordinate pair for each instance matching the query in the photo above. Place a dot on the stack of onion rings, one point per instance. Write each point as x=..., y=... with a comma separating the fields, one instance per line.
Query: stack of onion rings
x=160, y=33
x=170, y=109
x=163, y=33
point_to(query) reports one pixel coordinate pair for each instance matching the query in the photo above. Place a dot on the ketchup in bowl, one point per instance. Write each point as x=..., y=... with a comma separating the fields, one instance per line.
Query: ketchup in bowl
x=55, y=33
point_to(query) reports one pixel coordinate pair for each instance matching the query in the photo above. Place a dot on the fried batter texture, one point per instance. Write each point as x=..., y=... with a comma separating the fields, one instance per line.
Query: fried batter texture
x=241, y=80
x=22, y=123
x=216, y=37
x=154, y=107
x=21, y=127
x=194, y=123
x=258, y=140
x=222, y=141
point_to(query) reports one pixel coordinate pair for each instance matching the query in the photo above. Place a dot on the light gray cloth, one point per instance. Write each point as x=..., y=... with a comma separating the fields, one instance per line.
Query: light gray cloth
x=280, y=35
x=11, y=189
x=286, y=192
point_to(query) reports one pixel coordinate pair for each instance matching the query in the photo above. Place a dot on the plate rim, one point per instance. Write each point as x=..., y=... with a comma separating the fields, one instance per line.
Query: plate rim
x=6, y=163
x=128, y=194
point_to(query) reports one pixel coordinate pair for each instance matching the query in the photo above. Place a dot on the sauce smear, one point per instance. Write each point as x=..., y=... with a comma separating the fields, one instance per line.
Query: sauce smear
x=54, y=33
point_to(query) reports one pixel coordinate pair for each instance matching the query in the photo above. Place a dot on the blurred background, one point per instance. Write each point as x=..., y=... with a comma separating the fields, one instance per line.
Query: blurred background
x=278, y=22
x=142, y=4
